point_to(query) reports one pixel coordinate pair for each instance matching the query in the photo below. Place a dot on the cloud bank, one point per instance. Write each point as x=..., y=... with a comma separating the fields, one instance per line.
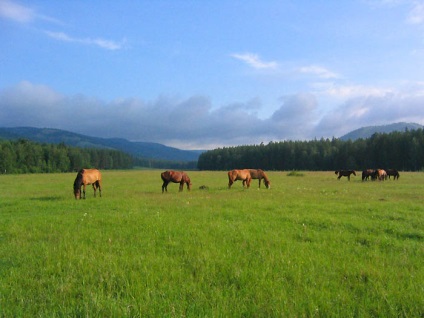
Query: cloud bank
x=193, y=122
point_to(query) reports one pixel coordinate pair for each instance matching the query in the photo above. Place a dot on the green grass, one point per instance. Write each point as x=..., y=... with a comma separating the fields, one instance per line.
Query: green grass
x=311, y=246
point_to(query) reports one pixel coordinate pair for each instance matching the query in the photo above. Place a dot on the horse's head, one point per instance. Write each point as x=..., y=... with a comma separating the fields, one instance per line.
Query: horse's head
x=268, y=184
x=77, y=189
x=77, y=193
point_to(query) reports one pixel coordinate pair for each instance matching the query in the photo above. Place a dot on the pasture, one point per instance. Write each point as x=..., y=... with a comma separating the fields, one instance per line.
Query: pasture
x=311, y=246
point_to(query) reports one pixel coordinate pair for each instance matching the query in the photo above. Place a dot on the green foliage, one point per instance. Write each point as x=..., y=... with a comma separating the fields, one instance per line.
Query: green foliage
x=398, y=150
x=23, y=156
x=311, y=246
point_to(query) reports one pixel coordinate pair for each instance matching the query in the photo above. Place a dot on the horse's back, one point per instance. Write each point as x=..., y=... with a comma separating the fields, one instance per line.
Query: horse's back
x=91, y=175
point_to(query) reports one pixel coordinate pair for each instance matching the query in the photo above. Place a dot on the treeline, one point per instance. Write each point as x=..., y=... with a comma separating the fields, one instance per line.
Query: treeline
x=23, y=156
x=398, y=150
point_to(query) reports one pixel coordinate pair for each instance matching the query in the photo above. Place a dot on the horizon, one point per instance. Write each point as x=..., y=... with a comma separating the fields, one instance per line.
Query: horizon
x=377, y=128
x=195, y=75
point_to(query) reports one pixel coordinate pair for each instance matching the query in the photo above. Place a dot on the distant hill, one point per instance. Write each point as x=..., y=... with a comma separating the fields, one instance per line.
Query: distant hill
x=148, y=150
x=367, y=132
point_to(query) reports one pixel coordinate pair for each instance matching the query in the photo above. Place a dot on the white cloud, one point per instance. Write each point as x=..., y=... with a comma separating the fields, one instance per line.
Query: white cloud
x=102, y=43
x=255, y=61
x=16, y=12
x=318, y=71
x=340, y=91
x=193, y=123
x=416, y=15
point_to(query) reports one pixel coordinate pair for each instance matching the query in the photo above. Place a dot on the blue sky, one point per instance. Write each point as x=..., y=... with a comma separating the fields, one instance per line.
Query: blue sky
x=206, y=74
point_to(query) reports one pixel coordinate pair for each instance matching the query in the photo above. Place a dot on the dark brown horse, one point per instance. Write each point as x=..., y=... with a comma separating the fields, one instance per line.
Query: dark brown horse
x=366, y=174
x=243, y=175
x=393, y=172
x=260, y=174
x=175, y=177
x=86, y=177
x=345, y=173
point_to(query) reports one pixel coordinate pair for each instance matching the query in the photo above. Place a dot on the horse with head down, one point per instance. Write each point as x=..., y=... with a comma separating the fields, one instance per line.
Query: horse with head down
x=366, y=174
x=260, y=174
x=243, y=175
x=393, y=172
x=380, y=174
x=345, y=173
x=87, y=177
x=175, y=177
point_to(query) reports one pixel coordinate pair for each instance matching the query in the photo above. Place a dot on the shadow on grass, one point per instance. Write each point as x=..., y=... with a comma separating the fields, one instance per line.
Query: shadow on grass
x=48, y=198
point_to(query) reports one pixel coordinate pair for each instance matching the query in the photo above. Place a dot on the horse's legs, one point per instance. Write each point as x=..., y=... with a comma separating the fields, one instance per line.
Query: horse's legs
x=348, y=177
x=99, y=185
x=165, y=186
x=83, y=190
x=181, y=186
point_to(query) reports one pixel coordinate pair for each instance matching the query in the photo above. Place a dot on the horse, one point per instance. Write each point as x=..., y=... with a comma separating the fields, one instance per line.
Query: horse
x=380, y=174
x=260, y=174
x=175, y=177
x=243, y=175
x=86, y=177
x=366, y=174
x=393, y=172
x=345, y=173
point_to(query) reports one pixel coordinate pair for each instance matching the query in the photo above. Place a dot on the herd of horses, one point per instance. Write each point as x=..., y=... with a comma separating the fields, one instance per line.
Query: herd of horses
x=373, y=174
x=94, y=177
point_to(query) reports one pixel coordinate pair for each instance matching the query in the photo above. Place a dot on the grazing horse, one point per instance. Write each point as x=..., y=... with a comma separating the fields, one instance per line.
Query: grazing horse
x=243, y=175
x=393, y=172
x=380, y=174
x=175, y=177
x=366, y=174
x=260, y=174
x=87, y=177
x=345, y=173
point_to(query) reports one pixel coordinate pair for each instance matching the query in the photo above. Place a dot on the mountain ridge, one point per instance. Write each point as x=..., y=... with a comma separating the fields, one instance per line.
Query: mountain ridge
x=148, y=150
x=367, y=132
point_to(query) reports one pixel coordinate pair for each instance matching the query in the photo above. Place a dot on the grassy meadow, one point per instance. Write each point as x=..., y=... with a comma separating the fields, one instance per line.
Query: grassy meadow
x=311, y=246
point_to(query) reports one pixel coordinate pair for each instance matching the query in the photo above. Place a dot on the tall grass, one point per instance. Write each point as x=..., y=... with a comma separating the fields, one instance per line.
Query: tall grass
x=309, y=246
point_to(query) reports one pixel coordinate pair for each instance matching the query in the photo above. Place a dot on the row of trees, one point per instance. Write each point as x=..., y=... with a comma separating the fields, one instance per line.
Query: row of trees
x=399, y=150
x=23, y=156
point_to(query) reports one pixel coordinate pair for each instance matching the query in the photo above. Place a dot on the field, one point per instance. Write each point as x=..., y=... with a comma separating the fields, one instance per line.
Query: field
x=311, y=246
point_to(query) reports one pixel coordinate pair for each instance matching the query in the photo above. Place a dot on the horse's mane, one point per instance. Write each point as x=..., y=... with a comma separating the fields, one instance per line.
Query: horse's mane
x=78, y=179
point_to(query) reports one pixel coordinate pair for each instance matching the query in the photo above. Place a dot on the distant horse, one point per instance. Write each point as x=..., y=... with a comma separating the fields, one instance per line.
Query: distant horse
x=86, y=177
x=345, y=173
x=260, y=174
x=380, y=174
x=366, y=174
x=393, y=172
x=175, y=177
x=243, y=175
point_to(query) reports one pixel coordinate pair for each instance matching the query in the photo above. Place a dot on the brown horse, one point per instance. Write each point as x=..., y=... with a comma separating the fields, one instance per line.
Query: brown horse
x=87, y=177
x=243, y=175
x=393, y=172
x=345, y=173
x=380, y=174
x=175, y=177
x=366, y=174
x=260, y=174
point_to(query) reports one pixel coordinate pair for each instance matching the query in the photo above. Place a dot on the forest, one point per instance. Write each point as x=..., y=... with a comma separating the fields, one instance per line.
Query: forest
x=23, y=156
x=398, y=150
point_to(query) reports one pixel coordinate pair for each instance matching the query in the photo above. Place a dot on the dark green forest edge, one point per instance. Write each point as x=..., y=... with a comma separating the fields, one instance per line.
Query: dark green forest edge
x=398, y=150
x=23, y=156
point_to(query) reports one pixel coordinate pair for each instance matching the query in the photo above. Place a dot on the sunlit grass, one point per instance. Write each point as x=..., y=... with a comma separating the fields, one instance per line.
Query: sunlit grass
x=309, y=246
